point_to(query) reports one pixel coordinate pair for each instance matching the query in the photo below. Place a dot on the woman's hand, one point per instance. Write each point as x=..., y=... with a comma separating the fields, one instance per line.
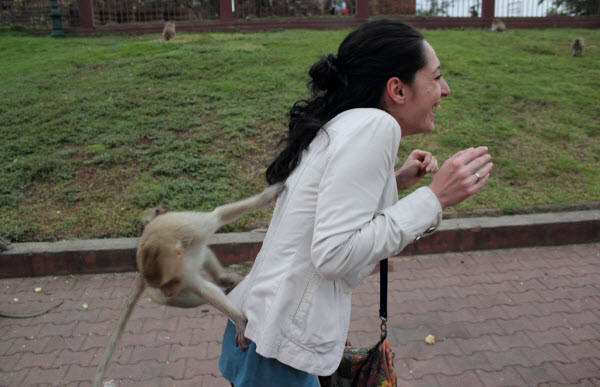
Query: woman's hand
x=415, y=167
x=461, y=176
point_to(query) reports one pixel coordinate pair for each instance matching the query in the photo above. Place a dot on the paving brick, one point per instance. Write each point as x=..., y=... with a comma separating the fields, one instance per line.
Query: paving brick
x=57, y=343
x=470, y=329
x=460, y=364
x=506, y=377
x=468, y=290
x=9, y=362
x=43, y=376
x=426, y=381
x=502, y=359
x=145, y=352
x=216, y=381
x=516, y=340
x=470, y=346
x=64, y=330
x=417, y=369
x=549, y=336
x=547, y=353
x=545, y=372
x=575, y=353
x=78, y=373
x=574, y=372
x=464, y=379
x=516, y=311
x=511, y=326
x=67, y=357
x=195, y=367
x=146, y=370
x=37, y=360
x=543, y=312
x=179, y=351
x=13, y=378
x=586, y=317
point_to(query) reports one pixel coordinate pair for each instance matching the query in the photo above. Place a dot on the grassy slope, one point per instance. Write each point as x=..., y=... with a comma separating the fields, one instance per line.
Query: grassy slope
x=95, y=130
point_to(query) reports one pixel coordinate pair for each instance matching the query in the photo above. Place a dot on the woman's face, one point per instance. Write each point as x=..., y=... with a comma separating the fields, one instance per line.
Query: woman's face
x=423, y=96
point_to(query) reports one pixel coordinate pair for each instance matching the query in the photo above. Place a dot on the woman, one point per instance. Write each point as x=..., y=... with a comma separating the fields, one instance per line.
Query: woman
x=339, y=214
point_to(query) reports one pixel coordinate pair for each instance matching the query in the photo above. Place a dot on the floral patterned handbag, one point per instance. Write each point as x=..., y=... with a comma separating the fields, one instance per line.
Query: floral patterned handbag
x=362, y=367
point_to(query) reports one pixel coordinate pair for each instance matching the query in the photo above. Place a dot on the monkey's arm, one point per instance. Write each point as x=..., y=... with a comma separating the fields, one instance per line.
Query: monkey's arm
x=215, y=296
x=134, y=295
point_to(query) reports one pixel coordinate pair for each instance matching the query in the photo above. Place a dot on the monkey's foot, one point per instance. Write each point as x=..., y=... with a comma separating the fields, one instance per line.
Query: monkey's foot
x=271, y=192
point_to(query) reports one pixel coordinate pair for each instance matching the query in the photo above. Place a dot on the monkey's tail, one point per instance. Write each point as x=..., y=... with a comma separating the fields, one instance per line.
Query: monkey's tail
x=134, y=295
x=28, y=315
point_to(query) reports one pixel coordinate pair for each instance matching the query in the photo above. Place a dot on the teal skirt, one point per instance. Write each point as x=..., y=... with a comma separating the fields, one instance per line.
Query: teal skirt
x=249, y=369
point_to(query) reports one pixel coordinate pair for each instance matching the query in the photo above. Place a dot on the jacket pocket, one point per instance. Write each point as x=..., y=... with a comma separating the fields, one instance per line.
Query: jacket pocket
x=321, y=317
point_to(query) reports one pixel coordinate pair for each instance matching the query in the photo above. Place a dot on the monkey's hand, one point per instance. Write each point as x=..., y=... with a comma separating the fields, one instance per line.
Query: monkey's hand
x=418, y=164
x=240, y=338
x=230, y=281
x=271, y=192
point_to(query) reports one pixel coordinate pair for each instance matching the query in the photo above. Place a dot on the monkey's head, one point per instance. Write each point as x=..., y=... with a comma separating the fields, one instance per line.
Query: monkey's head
x=160, y=261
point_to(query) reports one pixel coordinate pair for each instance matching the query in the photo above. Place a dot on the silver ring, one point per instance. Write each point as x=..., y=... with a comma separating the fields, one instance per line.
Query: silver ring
x=478, y=177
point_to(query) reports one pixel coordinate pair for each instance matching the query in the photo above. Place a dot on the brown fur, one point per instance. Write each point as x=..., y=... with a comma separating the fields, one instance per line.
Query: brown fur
x=578, y=47
x=169, y=31
x=498, y=26
x=173, y=247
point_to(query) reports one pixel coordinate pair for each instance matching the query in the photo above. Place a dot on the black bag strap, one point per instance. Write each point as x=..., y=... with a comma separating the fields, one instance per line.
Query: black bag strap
x=383, y=290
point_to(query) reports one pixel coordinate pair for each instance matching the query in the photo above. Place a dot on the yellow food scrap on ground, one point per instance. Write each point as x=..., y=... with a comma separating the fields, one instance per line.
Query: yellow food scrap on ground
x=430, y=339
x=38, y=290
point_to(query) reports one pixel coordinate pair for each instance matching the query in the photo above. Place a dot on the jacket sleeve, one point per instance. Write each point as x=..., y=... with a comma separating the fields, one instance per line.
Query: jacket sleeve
x=349, y=232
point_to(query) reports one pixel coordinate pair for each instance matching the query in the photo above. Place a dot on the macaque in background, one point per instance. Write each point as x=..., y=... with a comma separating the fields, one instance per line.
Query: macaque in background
x=149, y=216
x=578, y=47
x=498, y=26
x=171, y=255
x=169, y=31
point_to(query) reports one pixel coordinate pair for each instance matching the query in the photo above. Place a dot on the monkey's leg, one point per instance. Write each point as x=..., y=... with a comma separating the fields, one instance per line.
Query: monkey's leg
x=134, y=295
x=215, y=296
x=230, y=212
x=214, y=268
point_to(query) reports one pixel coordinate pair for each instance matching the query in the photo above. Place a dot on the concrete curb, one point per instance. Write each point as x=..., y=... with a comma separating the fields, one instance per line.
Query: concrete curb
x=118, y=255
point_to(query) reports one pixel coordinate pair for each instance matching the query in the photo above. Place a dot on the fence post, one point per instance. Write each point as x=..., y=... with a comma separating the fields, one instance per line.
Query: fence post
x=225, y=13
x=86, y=16
x=487, y=12
x=362, y=10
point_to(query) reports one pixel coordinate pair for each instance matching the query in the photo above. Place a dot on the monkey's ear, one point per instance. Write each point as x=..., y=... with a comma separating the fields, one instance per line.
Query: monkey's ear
x=179, y=250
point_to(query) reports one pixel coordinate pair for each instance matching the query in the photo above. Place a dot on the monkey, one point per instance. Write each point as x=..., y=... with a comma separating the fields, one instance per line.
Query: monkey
x=4, y=245
x=28, y=315
x=169, y=30
x=149, y=215
x=171, y=254
x=498, y=25
x=578, y=47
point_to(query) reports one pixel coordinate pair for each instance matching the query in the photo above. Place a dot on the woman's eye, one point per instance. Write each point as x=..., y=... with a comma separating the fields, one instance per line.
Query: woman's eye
x=438, y=77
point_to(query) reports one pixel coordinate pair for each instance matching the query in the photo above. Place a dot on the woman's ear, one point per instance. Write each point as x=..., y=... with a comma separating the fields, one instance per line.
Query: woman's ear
x=395, y=91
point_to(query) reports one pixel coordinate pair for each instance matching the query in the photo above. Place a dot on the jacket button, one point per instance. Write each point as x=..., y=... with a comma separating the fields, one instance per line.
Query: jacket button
x=430, y=230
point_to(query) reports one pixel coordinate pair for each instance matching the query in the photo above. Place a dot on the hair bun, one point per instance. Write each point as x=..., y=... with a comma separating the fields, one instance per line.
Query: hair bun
x=326, y=74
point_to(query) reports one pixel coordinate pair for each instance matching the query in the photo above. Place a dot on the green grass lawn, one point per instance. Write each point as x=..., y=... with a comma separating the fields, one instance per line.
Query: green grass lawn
x=94, y=130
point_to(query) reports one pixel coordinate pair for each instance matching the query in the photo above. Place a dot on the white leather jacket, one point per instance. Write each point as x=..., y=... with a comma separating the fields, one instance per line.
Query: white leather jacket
x=338, y=216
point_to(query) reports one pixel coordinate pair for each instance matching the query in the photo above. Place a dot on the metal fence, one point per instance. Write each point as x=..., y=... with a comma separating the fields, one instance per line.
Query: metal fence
x=472, y=8
x=36, y=13
x=140, y=11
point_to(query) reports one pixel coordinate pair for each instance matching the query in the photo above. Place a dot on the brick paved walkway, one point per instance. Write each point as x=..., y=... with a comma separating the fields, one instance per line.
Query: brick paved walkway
x=517, y=317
